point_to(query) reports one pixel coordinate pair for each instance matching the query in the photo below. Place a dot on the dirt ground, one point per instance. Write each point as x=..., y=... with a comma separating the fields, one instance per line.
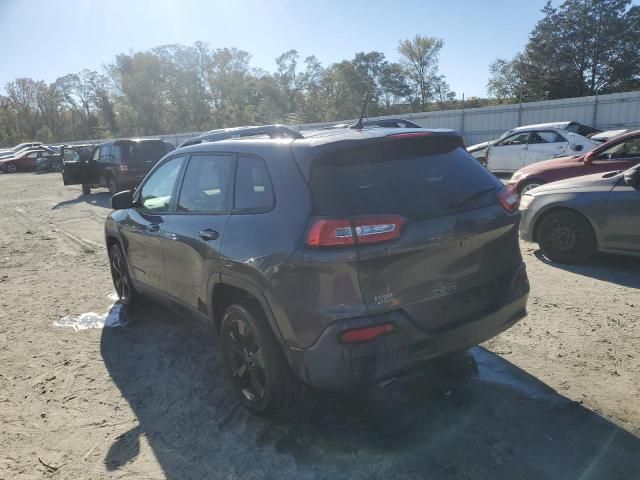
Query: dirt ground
x=555, y=397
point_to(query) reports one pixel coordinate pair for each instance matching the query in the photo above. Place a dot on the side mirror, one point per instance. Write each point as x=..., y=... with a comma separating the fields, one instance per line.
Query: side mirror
x=589, y=157
x=576, y=148
x=632, y=177
x=122, y=200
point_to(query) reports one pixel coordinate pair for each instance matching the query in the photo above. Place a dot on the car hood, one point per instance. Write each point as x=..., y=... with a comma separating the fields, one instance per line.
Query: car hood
x=479, y=146
x=559, y=163
x=588, y=183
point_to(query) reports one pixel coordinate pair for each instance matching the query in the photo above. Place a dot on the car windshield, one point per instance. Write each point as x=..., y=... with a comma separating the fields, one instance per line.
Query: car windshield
x=416, y=179
x=627, y=149
x=146, y=151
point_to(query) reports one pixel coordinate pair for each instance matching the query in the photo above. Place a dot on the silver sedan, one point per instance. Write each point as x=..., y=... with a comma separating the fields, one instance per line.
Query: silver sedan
x=574, y=218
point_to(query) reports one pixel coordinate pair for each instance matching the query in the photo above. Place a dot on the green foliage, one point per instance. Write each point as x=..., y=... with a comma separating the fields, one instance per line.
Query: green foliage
x=177, y=88
x=420, y=59
x=583, y=47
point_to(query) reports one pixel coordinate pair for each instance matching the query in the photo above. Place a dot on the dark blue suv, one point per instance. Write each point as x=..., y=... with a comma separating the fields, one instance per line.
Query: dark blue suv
x=338, y=259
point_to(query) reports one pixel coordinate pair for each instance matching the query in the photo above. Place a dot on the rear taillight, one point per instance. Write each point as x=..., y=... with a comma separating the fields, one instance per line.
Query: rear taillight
x=508, y=199
x=332, y=232
x=367, y=334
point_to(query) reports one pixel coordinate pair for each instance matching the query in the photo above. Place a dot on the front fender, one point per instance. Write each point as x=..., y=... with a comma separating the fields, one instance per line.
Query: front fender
x=568, y=201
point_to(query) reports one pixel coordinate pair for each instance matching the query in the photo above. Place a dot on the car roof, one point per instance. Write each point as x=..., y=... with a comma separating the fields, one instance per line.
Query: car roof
x=314, y=138
x=537, y=126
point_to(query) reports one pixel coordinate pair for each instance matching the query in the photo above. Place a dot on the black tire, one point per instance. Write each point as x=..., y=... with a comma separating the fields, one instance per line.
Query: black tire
x=120, y=276
x=113, y=186
x=10, y=168
x=529, y=185
x=254, y=362
x=86, y=189
x=566, y=237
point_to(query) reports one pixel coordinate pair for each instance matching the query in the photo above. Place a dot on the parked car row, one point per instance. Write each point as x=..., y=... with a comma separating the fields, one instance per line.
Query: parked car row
x=522, y=146
x=27, y=157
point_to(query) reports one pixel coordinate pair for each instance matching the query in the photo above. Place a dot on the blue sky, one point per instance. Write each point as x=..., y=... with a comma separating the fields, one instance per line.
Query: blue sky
x=45, y=39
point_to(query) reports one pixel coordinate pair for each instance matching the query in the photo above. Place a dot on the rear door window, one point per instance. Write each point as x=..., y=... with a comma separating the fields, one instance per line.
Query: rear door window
x=253, y=185
x=417, y=179
x=205, y=184
x=546, y=136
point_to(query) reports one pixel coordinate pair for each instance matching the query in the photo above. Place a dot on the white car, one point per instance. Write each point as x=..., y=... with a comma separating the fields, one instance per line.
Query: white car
x=526, y=145
x=479, y=150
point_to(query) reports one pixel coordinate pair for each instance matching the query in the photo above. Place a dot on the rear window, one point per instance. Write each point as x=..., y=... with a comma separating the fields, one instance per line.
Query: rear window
x=418, y=178
x=145, y=152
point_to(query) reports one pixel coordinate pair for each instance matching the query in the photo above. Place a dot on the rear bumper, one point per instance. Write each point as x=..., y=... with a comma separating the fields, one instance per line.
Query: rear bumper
x=331, y=365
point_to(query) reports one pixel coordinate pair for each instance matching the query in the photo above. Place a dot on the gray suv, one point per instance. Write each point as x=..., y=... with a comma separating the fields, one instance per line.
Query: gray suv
x=338, y=259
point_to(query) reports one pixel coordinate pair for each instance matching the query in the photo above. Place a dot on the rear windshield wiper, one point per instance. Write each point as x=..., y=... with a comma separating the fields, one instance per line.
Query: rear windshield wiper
x=471, y=196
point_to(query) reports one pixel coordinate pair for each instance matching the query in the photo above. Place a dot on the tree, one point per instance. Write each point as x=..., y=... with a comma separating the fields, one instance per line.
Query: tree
x=289, y=80
x=420, y=58
x=504, y=80
x=178, y=88
x=583, y=47
x=23, y=96
x=393, y=85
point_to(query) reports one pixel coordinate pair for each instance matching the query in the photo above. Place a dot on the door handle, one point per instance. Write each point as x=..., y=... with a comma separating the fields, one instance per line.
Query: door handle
x=208, y=234
x=153, y=227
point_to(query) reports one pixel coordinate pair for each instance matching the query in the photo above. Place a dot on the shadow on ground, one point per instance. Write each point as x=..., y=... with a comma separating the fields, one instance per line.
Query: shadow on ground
x=619, y=269
x=99, y=199
x=473, y=416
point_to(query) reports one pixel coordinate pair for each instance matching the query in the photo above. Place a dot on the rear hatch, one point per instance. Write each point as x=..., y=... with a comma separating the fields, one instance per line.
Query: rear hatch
x=436, y=233
x=140, y=156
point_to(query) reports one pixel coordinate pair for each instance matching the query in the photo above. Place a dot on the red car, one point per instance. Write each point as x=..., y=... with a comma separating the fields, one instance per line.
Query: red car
x=25, y=159
x=620, y=153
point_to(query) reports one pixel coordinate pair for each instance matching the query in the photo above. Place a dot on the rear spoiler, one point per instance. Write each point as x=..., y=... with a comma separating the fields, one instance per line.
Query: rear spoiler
x=305, y=156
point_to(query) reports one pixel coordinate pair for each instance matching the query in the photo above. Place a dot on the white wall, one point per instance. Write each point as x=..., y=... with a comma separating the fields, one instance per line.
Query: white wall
x=607, y=112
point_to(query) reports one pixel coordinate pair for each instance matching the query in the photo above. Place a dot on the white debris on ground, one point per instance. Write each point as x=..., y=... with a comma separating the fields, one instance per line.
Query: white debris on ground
x=85, y=321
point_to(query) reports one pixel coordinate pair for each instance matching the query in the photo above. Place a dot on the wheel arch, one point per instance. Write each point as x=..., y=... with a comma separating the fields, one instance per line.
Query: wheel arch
x=111, y=240
x=546, y=213
x=230, y=289
x=528, y=180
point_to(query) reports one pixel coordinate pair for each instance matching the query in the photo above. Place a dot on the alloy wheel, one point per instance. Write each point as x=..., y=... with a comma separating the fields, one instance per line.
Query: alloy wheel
x=120, y=278
x=11, y=168
x=564, y=237
x=245, y=360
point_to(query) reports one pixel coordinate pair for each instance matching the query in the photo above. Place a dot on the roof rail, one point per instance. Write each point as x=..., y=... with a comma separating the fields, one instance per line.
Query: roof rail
x=273, y=131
